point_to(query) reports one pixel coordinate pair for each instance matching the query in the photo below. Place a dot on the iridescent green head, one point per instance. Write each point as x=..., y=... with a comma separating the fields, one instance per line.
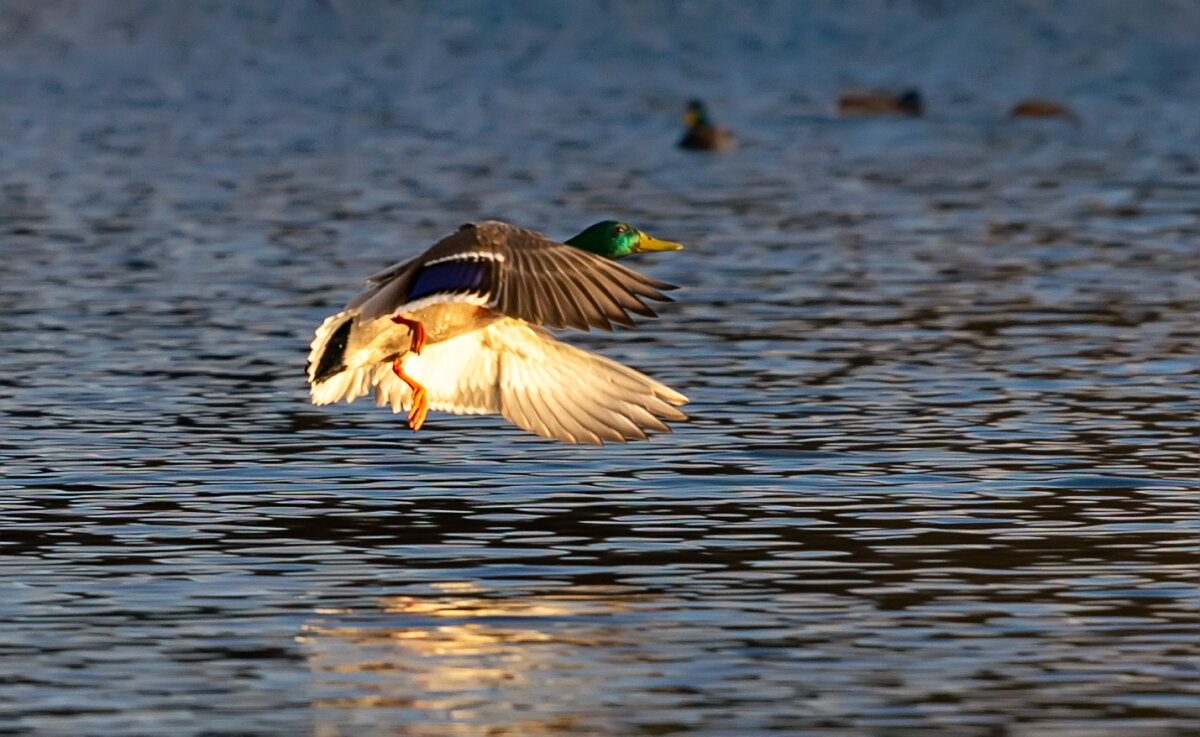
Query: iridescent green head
x=696, y=114
x=614, y=240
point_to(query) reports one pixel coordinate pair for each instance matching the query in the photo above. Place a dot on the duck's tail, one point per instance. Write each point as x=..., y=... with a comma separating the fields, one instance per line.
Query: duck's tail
x=332, y=374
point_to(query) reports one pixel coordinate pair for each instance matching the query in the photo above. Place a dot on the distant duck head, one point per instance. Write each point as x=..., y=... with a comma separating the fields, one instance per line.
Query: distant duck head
x=696, y=114
x=910, y=102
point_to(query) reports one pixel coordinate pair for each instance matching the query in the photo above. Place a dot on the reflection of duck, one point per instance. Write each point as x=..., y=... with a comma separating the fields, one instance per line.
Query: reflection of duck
x=702, y=134
x=1035, y=107
x=873, y=102
x=521, y=665
x=458, y=328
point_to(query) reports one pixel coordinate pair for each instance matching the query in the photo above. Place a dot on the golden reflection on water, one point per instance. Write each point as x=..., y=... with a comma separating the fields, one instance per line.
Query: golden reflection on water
x=465, y=664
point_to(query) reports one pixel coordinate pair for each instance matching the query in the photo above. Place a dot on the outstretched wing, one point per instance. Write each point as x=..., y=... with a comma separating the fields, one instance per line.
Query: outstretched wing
x=536, y=382
x=518, y=273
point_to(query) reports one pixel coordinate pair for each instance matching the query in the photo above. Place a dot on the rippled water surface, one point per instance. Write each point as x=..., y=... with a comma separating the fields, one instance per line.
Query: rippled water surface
x=940, y=475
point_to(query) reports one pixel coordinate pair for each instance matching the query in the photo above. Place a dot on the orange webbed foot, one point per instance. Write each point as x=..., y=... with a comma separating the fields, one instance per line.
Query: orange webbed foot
x=420, y=408
x=420, y=400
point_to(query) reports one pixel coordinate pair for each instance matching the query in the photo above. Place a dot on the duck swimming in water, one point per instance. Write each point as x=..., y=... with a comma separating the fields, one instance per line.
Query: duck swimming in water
x=1037, y=107
x=702, y=134
x=459, y=328
x=871, y=102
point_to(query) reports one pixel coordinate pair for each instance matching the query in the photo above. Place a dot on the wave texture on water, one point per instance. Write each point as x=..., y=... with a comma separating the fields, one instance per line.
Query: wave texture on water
x=941, y=471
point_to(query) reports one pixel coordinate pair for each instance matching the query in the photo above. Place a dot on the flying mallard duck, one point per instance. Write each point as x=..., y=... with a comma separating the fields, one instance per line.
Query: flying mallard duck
x=873, y=102
x=459, y=329
x=702, y=134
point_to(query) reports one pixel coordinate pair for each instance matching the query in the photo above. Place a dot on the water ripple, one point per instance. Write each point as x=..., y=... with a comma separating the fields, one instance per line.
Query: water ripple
x=941, y=470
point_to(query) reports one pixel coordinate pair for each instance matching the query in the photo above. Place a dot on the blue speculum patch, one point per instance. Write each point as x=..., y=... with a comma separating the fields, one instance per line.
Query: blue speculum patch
x=451, y=277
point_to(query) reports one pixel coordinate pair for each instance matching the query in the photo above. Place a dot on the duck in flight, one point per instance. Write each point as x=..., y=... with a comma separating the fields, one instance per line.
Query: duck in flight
x=462, y=328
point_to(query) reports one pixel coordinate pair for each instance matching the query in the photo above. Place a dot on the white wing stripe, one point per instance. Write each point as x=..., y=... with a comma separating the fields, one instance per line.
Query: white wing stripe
x=467, y=256
x=441, y=298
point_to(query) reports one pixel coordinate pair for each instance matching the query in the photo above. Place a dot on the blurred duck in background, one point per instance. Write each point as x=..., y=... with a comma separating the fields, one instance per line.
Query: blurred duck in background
x=1038, y=107
x=702, y=134
x=874, y=102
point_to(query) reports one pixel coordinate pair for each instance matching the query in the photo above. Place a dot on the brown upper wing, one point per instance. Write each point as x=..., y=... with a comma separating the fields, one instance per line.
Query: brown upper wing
x=531, y=278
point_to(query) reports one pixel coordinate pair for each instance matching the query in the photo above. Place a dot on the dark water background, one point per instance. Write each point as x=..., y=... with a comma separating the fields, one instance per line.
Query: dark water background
x=941, y=474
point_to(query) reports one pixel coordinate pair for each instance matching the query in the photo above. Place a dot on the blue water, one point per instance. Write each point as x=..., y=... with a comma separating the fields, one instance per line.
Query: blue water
x=941, y=471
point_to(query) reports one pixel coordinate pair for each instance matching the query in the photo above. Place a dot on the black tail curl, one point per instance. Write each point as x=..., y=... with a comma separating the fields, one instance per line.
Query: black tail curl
x=332, y=360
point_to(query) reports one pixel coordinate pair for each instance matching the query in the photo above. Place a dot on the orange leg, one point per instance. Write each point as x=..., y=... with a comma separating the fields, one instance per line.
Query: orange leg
x=420, y=400
x=418, y=333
